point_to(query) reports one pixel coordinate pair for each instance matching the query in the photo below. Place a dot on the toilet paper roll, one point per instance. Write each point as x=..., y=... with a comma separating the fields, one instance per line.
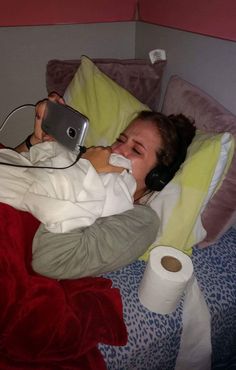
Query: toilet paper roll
x=166, y=276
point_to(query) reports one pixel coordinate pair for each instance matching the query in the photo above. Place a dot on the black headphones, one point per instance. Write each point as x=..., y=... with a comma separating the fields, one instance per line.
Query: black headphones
x=160, y=175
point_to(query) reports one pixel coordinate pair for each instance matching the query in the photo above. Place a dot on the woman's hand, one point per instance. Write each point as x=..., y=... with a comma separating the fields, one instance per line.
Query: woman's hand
x=99, y=158
x=39, y=135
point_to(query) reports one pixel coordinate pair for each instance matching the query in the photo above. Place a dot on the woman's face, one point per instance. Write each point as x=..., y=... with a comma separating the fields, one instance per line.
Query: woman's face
x=139, y=143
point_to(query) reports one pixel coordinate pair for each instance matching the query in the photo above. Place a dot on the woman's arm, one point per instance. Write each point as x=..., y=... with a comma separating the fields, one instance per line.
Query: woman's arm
x=39, y=135
x=110, y=243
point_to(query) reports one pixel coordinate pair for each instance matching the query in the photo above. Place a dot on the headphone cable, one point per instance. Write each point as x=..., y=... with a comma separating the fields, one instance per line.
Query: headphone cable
x=81, y=151
x=14, y=111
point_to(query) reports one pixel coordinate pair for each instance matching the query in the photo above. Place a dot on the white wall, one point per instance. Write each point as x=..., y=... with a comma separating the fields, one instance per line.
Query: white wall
x=25, y=52
x=207, y=62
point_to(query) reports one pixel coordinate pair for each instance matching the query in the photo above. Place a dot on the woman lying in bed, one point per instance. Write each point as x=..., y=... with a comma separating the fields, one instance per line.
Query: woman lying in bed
x=156, y=145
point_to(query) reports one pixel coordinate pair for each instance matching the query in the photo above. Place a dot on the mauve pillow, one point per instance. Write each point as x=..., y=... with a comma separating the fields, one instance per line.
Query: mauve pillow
x=210, y=116
x=140, y=77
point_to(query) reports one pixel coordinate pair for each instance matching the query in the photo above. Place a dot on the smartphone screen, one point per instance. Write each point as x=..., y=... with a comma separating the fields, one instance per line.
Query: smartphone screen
x=65, y=124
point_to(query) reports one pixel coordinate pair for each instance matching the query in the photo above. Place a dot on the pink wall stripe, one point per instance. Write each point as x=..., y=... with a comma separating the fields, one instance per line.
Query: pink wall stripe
x=32, y=12
x=210, y=17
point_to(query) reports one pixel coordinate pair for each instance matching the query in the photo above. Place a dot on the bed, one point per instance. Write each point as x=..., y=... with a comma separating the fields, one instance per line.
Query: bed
x=118, y=332
x=154, y=339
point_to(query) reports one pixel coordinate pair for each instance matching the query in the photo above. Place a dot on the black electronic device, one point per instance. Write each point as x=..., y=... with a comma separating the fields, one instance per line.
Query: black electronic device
x=160, y=175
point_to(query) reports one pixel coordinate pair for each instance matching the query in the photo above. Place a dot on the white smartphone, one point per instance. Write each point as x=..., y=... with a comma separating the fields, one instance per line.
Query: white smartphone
x=65, y=124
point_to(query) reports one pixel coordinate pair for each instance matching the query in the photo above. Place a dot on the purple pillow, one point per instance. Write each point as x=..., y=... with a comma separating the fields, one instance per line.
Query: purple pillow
x=211, y=116
x=140, y=77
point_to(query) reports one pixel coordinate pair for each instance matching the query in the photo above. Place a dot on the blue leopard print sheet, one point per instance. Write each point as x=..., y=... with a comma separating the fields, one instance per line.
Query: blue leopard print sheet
x=154, y=339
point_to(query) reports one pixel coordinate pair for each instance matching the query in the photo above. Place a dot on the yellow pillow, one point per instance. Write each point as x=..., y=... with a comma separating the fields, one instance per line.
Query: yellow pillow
x=108, y=106
x=180, y=204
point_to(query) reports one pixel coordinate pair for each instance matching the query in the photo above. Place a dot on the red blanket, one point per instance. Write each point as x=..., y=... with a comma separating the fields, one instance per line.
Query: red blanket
x=49, y=324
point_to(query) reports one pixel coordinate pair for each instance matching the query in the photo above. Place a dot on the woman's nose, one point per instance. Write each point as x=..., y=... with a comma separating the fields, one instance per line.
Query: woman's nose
x=121, y=149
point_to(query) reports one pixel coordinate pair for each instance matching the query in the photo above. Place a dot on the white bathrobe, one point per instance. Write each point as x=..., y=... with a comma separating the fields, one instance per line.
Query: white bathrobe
x=64, y=199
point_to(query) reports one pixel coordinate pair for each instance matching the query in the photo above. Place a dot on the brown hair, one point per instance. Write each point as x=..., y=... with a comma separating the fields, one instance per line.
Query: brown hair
x=177, y=132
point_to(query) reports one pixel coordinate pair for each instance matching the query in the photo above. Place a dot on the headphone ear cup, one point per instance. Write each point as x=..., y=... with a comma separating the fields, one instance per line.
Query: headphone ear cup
x=157, y=178
x=160, y=175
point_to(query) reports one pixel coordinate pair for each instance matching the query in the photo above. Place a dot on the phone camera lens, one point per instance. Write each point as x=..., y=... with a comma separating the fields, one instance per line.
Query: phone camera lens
x=71, y=132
